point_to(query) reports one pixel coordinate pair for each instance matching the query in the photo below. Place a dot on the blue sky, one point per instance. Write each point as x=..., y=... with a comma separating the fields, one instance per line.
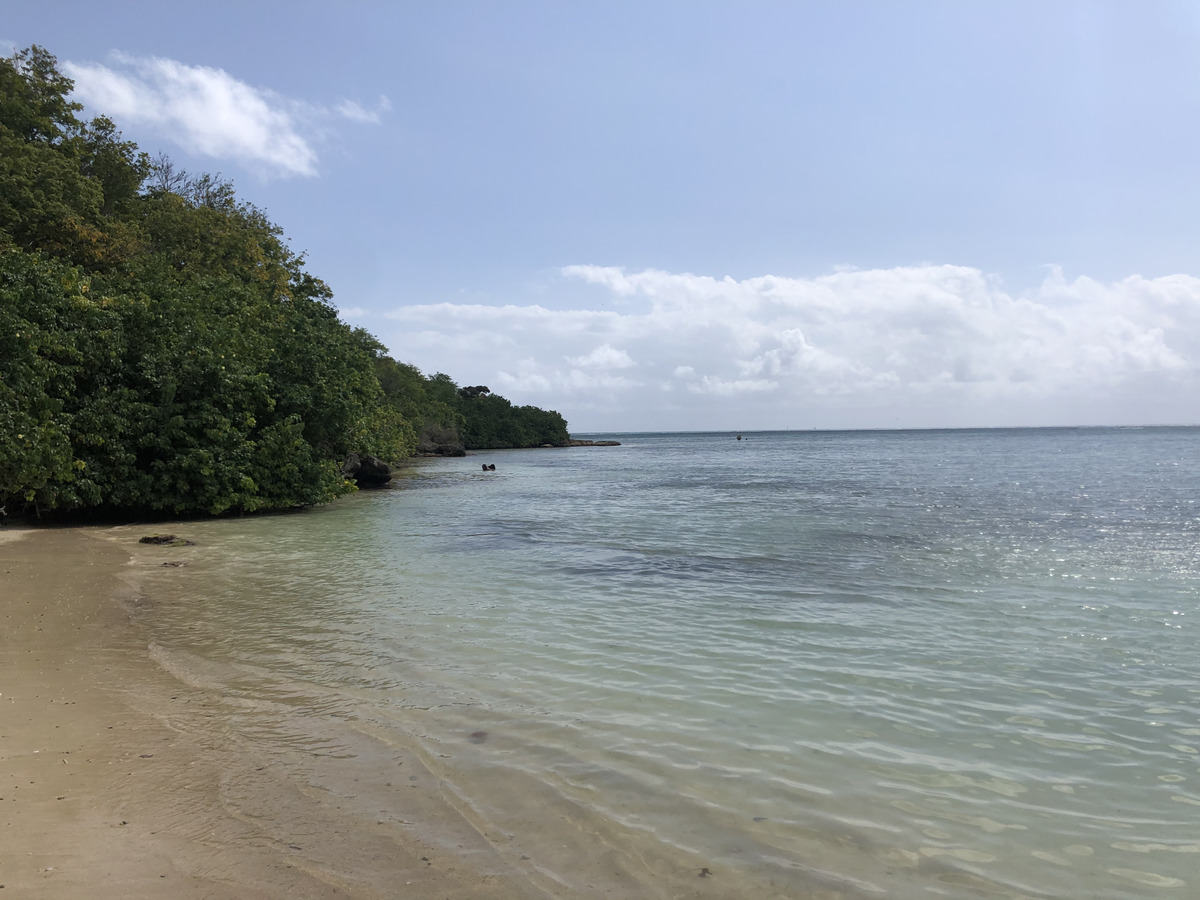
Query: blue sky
x=709, y=215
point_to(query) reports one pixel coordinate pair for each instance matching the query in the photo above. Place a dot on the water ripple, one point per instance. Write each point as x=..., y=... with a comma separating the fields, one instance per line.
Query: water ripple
x=921, y=664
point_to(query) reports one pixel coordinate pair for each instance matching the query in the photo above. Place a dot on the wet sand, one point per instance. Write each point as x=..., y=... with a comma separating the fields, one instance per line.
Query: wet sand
x=118, y=780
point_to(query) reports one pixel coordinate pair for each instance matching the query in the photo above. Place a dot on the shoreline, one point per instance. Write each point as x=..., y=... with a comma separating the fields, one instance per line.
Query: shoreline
x=119, y=779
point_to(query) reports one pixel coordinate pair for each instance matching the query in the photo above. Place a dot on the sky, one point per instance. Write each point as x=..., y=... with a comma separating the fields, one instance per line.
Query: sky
x=701, y=215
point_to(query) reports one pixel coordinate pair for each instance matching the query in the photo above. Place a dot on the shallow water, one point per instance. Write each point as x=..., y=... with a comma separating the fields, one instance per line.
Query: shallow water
x=902, y=664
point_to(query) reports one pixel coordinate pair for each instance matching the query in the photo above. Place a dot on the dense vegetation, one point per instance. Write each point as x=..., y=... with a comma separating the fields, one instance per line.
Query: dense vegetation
x=162, y=350
x=472, y=418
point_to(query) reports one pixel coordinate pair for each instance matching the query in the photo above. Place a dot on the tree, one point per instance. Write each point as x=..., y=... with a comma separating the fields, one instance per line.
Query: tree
x=164, y=177
x=61, y=181
x=33, y=98
x=164, y=350
x=41, y=360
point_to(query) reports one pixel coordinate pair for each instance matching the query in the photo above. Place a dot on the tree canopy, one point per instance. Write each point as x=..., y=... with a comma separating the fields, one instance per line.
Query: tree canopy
x=163, y=350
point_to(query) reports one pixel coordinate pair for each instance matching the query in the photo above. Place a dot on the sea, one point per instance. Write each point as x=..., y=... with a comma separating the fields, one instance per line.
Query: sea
x=899, y=664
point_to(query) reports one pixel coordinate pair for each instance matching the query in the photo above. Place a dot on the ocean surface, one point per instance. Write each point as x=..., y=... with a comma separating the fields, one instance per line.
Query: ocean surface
x=834, y=664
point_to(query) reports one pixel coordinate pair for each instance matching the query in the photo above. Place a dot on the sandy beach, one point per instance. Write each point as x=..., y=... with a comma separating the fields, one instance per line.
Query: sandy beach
x=118, y=779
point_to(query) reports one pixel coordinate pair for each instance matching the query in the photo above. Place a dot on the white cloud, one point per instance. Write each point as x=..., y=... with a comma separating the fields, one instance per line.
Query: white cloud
x=719, y=387
x=603, y=357
x=522, y=382
x=210, y=112
x=923, y=345
x=356, y=112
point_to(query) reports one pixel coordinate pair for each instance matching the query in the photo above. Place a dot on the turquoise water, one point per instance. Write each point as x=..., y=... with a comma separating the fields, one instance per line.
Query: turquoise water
x=901, y=664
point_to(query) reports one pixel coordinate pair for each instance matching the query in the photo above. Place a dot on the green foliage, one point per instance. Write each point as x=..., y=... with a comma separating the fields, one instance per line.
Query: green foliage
x=40, y=360
x=117, y=166
x=33, y=98
x=163, y=350
x=429, y=404
x=491, y=421
x=472, y=416
x=61, y=180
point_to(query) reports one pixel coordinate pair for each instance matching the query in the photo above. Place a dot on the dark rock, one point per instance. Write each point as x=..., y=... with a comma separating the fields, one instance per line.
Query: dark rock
x=168, y=540
x=366, y=470
x=436, y=440
x=578, y=443
x=432, y=448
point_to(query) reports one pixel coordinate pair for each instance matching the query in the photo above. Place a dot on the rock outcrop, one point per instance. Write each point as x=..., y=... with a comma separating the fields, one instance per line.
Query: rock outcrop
x=366, y=470
x=168, y=540
x=436, y=440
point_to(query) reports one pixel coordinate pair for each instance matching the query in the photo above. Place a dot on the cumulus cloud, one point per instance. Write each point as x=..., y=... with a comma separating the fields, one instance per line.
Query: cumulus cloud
x=210, y=112
x=720, y=387
x=923, y=345
x=603, y=357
